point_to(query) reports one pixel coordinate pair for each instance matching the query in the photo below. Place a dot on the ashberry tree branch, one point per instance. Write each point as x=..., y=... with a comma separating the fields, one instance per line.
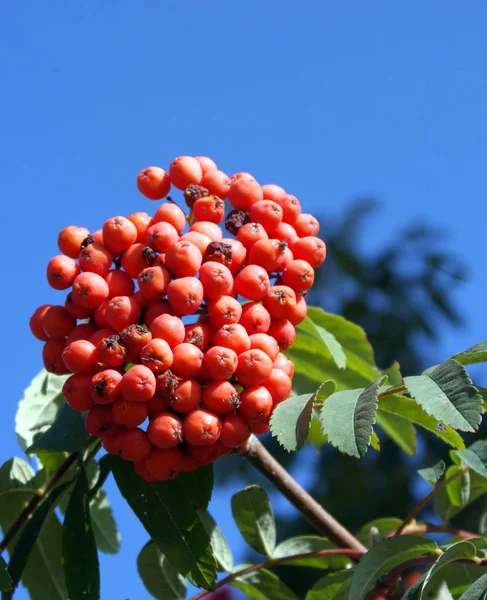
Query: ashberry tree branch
x=313, y=512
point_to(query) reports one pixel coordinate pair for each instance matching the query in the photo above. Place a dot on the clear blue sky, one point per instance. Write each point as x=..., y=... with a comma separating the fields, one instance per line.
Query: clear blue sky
x=330, y=99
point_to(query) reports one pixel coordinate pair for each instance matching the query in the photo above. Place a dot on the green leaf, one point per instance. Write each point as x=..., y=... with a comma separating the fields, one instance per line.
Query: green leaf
x=328, y=339
x=80, y=555
x=330, y=586
x=43, y=574
x=383, y=557
x=220, y=546
x=5, y=580
x=290, y=421
x=306, y=544
x=475, y=354
x=443, y=593
x=38, y=407
x=458, y=490
x=393, y=373
x=316, y=437
x=414, y=591
x=432, y=474
x=475, y=457
x=104, y=524
x=160, y=579
x=477, y=591
x=29, y=534
x=66, y=434
x=463, y=550
x=263, y=585
x=253, y=514
x=170, y=517
x=196, y=486
x=445, y=509
x=398, y=429
x=408, y=409
x=383, y=526
x=347, y=418
x=447, y=394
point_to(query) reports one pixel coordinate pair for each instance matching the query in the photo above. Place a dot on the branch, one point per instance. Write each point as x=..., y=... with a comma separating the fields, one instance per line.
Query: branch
x=428, y=528
x=40, y=494
x=419, y=507
x=313, y=512
x=354, y=554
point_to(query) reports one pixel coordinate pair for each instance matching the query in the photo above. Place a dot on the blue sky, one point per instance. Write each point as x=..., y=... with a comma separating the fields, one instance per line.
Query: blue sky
x=332, y=100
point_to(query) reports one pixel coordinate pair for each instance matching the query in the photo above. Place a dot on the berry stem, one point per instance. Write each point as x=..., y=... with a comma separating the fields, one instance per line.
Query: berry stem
x=313, y=512
x=419, y=507
x=354, y=554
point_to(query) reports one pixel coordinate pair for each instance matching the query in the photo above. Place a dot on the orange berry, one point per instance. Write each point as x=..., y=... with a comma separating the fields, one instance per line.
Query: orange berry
x=285, y=233
x=165, y=464
x=83, y=331
x=198, y=334
x=99, y=421
x=307, y=225
x=129, y=414
x=205, y=455
x=95, y=258
x=35, y=322
x=256, y=403
x=138, y=384
x=200, y=240
x=267, y=213
x=186, y=397
x=154, y=183
x=119, y=283
x=252, y=282
x=300, y=310
x=201, y=427
x=291, y=208
x=280, y=301
x=80, y=356
x=224, y=311
x=57, y=322
x=165, y=430
x=76, y=392
x=282, y=362
x=89, y=290
x=220, y=362
x=210, y=208
x=52, y=357
x=235, y=431
x=172, y=214
x=251, y=233
x=156, y=355
x=266, y=343
x=70, y=239
x=233, y=336
x=279, y=385
x=255, y=318
x=78, y=312
x=221, y=397
x=283, y=332
x=206, y=164
x=185, y=295
x=61, y=271
x=119, y=234
x=187, y=360
x=141, y=220
x=132, y=444
x=216, y=182
x=183, y=259
x=122, y=311
x=272, y=191
x=161, y=236
x=105, y=386
x=298, y=275
x=185, y=170
x=254, y=367
x=243, y=193
x=268, y=254
x=142, y=471
x=153, y=282
x=209, y=229
x=311, y=249
x=137, y=258
x=216, y=279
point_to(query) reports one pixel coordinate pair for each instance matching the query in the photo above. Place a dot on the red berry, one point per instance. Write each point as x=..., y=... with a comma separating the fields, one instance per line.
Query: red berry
x=132, y=444
x=105, y=386
x=36, y=322
x=57, y=322
x=170, y=213
x=255, y=318
x=311, y=249
x=165, y=430
x=254, y=367
x=221, y=397
x=165, y=464
x=122, y=311
x=185, y=295
x=216, y=182
x=232, y=336
x=279, y=385
x=76, y=391
x=89, y=290
x=283, y=332
x=154, y=183
x=80, y=356
x=186, y=397
x=99, y=421
x=156, y=355
x=129, y=414
x=70, y=240
x=52, y=357
x=307, y=225
x=185, y=170
x=138, y=384
x=224, y=311
x=61, y=272
x=256, y=403
x=220, y=362
x=119, y=283
x=235, y=431
x=119, y=234
x=201, y=428
x=187, y=360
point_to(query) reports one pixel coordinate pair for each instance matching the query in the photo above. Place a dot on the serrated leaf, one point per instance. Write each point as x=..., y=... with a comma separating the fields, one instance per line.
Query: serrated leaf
x=448, y=395
x=104, y=524
x=316, y=437
x=263, y=585
x=220, y=546
x=43, y=574
x=290, y=421
x=463, y=550
x=306, y=544
x=384, y=557
x=328, y=339
x=80, y=555
x=408, y=409
x=432, y=474
x=168, y=513
x=38, y=407
x=197, y=486
x=475, y=354
x=29, y=534
x=398, y=429
x=393, y=373
x=475, y=457
x=383, y=526
x=458, y=489
x=347, y=418
x=6, y=584
x=160, y=579
x=253, y=515
x=66, y=434
x=331, y=586
x=477, y=591
x=445, y=509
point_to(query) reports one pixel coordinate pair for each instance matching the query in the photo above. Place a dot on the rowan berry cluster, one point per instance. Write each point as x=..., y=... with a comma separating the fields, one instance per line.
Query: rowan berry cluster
x=172, y=324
